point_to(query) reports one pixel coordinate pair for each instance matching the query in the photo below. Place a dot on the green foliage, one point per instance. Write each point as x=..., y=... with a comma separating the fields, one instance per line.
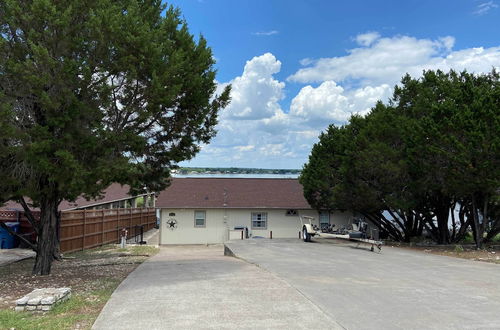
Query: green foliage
x=468, y=239
x=95, y=92
x=139, y=202
x=433, y=148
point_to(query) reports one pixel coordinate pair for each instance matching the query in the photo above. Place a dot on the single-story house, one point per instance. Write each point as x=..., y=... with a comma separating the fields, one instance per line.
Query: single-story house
x=214, y=210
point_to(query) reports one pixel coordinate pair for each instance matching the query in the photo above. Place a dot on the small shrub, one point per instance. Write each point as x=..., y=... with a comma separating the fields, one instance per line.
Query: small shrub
x=468, y=239
x=459, y=248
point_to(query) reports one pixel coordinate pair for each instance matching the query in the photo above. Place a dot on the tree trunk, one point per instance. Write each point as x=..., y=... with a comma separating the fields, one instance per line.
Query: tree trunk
x=453, y=224
x=479, y=228
x=442, y=213
x=48, y=240
x=382, y=223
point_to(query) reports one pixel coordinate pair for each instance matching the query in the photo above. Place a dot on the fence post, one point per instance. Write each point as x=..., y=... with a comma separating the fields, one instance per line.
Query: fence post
x=118, y=219
x=102, y=227
x=84, y=231
x=117, y=222
x=130, y=221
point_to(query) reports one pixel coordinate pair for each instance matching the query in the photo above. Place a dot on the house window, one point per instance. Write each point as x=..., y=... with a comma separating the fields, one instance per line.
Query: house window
x=199, y=218
x=291, y=212
x=259, y=220
x=324, y=219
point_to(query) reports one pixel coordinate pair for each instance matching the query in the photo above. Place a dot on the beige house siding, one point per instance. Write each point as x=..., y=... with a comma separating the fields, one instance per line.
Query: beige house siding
x=219, y=222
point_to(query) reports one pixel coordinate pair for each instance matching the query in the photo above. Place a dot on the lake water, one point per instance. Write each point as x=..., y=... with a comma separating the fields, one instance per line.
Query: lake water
x=255, y=176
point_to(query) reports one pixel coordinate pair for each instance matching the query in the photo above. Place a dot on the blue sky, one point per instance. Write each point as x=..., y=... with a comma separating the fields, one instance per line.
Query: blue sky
x=298, y=65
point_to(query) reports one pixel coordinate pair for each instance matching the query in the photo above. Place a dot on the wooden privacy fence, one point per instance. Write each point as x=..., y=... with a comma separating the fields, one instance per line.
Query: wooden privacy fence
x=85, y=229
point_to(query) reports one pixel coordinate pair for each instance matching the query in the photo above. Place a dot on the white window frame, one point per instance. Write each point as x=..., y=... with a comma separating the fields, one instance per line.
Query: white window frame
x=258, y=217
x=199, y=218
x=324, y=213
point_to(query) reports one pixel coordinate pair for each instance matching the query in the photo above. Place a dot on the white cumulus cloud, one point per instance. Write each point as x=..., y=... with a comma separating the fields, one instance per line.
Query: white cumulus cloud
x=257, y=131
x=386, y=60
x=326, y=102
x=366, y=39
x=256, y=94
x=330, y=103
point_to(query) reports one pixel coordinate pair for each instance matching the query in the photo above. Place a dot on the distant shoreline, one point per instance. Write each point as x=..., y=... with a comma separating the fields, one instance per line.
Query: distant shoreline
x=235, y=172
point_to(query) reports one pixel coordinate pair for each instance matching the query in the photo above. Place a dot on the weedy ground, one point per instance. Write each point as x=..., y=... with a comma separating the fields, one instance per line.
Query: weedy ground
x=92, y=275
x=465, y=250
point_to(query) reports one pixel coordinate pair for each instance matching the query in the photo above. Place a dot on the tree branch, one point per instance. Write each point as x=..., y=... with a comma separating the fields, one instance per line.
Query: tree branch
x=13, y=233
x=29, y=216
x=401, y=225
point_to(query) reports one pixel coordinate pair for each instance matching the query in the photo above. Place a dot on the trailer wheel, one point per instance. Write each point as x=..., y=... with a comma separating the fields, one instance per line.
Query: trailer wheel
x=305, y=235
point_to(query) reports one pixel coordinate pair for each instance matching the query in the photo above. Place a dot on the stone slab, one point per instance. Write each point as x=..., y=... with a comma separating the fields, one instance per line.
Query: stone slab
x=42, y=299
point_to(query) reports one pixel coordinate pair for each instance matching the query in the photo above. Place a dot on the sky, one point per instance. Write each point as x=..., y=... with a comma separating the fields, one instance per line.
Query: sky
x=297, y=66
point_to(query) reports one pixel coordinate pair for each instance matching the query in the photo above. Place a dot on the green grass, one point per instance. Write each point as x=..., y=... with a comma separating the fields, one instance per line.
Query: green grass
x=112, y=250
x=141, y=250
x=80, y=309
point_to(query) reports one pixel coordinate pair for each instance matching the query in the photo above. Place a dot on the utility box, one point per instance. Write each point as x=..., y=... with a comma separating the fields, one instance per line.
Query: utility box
x=7, y=241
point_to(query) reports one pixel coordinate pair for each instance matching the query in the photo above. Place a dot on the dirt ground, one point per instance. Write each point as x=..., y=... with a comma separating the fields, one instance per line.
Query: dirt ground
x=87, y=273
x=464, y=251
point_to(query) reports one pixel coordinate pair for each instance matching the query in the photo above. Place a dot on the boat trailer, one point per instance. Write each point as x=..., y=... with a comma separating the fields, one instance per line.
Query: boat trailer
x=355, y=232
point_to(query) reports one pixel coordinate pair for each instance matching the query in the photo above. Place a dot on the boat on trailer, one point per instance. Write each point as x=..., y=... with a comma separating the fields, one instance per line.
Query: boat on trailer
x=355, y=232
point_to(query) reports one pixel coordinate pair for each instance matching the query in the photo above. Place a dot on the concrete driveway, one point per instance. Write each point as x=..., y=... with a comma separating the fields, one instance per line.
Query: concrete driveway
x=397, y=289
x=197, y=287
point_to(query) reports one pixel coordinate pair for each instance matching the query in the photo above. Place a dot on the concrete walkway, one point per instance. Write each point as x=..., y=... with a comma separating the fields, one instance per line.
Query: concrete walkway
x=151, y=237
x=8, y=256
x=196, y=287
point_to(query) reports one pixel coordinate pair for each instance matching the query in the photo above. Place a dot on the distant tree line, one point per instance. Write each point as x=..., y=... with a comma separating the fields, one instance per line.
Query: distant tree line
x=429, y=160
x=237, y=170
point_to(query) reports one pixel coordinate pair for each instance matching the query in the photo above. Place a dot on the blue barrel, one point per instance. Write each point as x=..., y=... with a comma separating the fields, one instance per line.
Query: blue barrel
x=7, y=241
